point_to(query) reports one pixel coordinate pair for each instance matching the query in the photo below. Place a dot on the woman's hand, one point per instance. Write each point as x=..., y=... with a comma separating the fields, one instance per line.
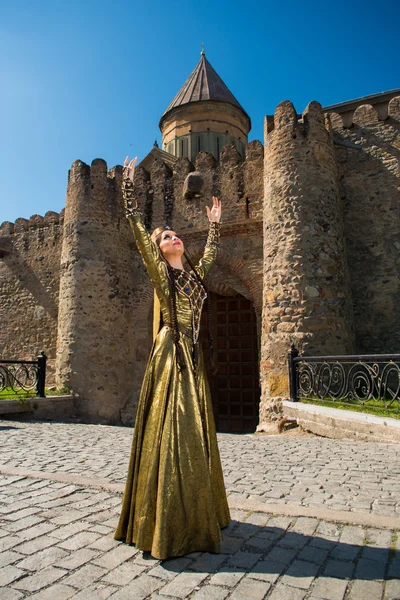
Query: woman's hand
x=129, y=168
x=214, y=214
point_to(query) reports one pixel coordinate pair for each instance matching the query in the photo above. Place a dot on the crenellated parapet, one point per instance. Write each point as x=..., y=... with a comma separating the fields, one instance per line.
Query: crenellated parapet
x=379, y=107
x=35, y=222
x=177, y=196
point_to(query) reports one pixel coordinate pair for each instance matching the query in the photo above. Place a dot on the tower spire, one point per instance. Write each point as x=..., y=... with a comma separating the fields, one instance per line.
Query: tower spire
x=202, y=53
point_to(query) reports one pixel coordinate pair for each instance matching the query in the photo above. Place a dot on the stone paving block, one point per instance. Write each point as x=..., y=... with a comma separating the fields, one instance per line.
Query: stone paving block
x=10, y=594
x=352, y=534
x=244, y=560
x=96, y=592
x=329, y=588
x=293, y=540
x=20, y=514
x=379, y=537
x=375, y=553
x=21, y=524
x=139, y=589
x=76, y=559
x=57, y=591
x=365, y=590
x=346, y=552
x=35, y=545
x=267, y=570
x=79, y=540
x=9, y=557
x=62, y=533
x=257, y=518
x=305, y=525
x=319, y=542
x=36, y=531
x=300, y=574
x=208, y=563
x=313, y=554
x=84, y=576
x=124, y=574
x=258, y=543
x=209, y=592
x=39, y=580
x=282, y=592
x=42, y=559
x=392, y=589
x=115, y=557
x=183, y=585
x=394, y=569
x=104, y=543
x=230, y=545
x=8, y=574
x=250, y=589
x=100, y=529
x=227, y=577
x=339, y=569
x=328, y=531
x=282, y=555
x=159, y=572
x=369, y=569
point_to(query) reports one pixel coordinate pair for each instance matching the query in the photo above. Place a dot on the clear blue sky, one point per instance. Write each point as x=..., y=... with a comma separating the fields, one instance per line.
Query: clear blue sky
x=87, y=79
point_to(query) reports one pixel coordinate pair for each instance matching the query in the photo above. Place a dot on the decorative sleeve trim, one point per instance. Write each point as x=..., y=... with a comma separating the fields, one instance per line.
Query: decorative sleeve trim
x=130, y=199
x=213, y=234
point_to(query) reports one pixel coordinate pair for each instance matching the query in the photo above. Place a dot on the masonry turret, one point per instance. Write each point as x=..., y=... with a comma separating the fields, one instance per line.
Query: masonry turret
x=306, y=296
x=95, y=339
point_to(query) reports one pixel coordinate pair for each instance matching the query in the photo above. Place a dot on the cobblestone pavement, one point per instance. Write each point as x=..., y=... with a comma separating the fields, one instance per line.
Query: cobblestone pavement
x=309, y=471
x=56, y=537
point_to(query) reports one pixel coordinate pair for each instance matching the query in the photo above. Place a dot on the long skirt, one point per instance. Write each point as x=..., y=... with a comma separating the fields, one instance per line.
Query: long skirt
x=174, y=501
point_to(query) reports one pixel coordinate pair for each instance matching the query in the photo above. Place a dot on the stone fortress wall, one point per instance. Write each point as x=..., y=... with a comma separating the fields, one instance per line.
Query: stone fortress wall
x=310, y=236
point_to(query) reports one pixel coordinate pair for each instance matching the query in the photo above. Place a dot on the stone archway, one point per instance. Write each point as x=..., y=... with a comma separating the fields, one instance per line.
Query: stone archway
x=235, y=388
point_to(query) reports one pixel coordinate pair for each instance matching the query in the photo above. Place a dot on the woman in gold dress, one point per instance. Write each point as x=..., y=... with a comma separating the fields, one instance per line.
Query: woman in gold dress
x=174, y=501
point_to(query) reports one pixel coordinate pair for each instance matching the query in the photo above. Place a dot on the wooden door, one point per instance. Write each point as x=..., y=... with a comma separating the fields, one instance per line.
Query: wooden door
x=235, y=389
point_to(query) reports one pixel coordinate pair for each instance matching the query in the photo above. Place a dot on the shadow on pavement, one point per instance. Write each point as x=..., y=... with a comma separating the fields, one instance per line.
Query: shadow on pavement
x=268, y=552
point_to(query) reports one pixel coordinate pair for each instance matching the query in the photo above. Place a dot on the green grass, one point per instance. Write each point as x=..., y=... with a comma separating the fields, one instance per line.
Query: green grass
x=372, y=409
x=21, y=395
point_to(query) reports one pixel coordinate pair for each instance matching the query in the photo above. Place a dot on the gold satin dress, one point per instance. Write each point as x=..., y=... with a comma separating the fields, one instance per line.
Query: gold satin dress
x=174, y=501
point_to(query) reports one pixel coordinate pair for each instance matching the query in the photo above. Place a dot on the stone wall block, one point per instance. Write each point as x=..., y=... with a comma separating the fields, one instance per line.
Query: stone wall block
x=21, y=225
x=285, y=117
x=7, y=228
x=394, y=108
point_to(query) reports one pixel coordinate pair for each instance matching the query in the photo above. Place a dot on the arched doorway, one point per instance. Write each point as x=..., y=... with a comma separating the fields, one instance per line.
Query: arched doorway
x=235, y=389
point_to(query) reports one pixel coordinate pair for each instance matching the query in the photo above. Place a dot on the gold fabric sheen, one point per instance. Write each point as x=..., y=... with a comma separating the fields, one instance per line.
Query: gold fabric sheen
x=174, y=501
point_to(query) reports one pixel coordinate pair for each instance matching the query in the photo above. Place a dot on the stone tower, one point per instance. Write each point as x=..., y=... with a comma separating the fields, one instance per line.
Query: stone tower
x=204, y=116
x=95, y=332
x=306, y=288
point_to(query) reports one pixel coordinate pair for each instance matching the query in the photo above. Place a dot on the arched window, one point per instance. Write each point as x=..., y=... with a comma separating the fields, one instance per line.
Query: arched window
x=198, y=143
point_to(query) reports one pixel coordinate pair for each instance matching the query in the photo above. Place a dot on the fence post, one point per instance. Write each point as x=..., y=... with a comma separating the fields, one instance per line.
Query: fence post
x=292, y=373
x=41, y=376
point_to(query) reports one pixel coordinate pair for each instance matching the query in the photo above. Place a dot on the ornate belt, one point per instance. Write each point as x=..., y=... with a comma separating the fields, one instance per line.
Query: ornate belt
x=187, y=332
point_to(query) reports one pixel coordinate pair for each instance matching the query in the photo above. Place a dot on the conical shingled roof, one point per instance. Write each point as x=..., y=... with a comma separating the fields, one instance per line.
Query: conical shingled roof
x=203, y=84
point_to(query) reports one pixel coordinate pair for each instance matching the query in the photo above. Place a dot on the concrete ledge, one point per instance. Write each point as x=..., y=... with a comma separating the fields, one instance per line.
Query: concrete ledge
x=50, y=408
x=343, y=424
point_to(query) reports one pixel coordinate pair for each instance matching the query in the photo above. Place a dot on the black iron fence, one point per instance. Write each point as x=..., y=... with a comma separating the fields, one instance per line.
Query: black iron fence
x=24, y=375
x=356, y=379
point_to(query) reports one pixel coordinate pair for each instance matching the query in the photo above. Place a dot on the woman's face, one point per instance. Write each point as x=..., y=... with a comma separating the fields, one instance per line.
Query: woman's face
x=170, y=244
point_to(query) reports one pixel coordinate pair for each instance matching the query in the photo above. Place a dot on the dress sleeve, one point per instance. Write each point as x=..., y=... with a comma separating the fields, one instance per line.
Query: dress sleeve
x=210, y=252
x=150, y=254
